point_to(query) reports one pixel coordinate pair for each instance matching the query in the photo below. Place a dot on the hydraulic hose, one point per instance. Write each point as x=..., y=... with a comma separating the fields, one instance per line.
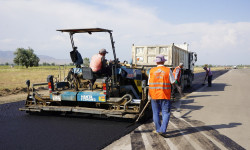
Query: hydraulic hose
x=130, y=99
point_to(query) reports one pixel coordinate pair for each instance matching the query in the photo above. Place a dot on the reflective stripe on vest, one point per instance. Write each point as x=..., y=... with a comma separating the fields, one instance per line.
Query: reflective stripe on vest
x=159, y=84
x=159, y=87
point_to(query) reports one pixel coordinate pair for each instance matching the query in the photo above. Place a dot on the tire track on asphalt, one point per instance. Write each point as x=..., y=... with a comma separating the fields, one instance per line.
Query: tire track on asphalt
x=158, y=142
x=147, y=140
x=203, y=133
x=194, y=134
x=136, y=140
x=181, y=133
x=214, y=134
x=178, y=141
x=190, y=141
x=154, y=140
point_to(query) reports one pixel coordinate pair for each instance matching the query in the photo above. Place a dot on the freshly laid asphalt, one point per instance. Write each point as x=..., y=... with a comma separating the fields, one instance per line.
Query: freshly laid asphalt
x=19, y=130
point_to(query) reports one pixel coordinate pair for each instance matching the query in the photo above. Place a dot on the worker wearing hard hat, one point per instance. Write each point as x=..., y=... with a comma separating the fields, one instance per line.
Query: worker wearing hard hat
x=160, y=80
x=177, y=77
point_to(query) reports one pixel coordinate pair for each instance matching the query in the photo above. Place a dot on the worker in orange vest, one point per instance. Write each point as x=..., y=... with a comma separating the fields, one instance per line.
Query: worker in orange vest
x=160, y=80
x=177, y=77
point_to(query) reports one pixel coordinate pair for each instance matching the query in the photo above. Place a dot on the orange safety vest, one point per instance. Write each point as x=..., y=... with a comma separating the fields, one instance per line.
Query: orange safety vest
x=179, y=74
x=96, y=62
x=159, y=83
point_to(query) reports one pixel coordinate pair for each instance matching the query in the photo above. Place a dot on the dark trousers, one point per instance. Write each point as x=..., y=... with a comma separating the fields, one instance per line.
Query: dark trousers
x=209, y=80
x=178, y=88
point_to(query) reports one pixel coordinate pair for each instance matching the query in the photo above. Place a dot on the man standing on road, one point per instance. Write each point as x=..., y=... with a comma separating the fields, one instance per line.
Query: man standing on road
x=209, y=75
x=160, y=80
x=177, y=77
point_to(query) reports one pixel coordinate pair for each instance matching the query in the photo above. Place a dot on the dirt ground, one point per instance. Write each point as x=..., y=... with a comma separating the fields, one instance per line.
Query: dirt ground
x=18, y=94
x=18, y=90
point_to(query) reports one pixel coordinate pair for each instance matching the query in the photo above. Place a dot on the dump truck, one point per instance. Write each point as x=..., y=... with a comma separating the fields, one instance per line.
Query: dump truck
x=122, y=94
x=144, y=55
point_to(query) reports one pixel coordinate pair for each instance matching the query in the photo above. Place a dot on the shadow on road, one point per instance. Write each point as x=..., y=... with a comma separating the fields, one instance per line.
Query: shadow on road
x=186, y=105
x=215, y=87
x=189, y=103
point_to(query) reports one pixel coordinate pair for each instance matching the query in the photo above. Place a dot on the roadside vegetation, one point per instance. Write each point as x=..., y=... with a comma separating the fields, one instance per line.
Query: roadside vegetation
x=12, y=79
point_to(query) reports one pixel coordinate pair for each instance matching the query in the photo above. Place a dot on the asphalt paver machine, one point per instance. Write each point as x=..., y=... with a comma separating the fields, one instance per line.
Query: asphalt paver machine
x=122, y=93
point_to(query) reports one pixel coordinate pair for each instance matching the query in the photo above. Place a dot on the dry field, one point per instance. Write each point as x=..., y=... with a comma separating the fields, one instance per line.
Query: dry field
x=200, y=69
x=12, y=80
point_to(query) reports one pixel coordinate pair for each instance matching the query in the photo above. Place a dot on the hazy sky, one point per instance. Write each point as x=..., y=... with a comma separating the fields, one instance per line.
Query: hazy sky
x=217, y=30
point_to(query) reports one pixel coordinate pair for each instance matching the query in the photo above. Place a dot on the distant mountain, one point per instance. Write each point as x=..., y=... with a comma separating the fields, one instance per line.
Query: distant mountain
x=48, y=59
x=8, y=56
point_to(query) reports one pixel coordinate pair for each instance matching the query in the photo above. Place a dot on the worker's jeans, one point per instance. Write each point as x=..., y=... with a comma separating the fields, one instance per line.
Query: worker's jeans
x=161, y=105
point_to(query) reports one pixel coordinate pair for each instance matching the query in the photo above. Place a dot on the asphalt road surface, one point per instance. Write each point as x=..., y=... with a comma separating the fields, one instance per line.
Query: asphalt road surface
x=19, y=130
